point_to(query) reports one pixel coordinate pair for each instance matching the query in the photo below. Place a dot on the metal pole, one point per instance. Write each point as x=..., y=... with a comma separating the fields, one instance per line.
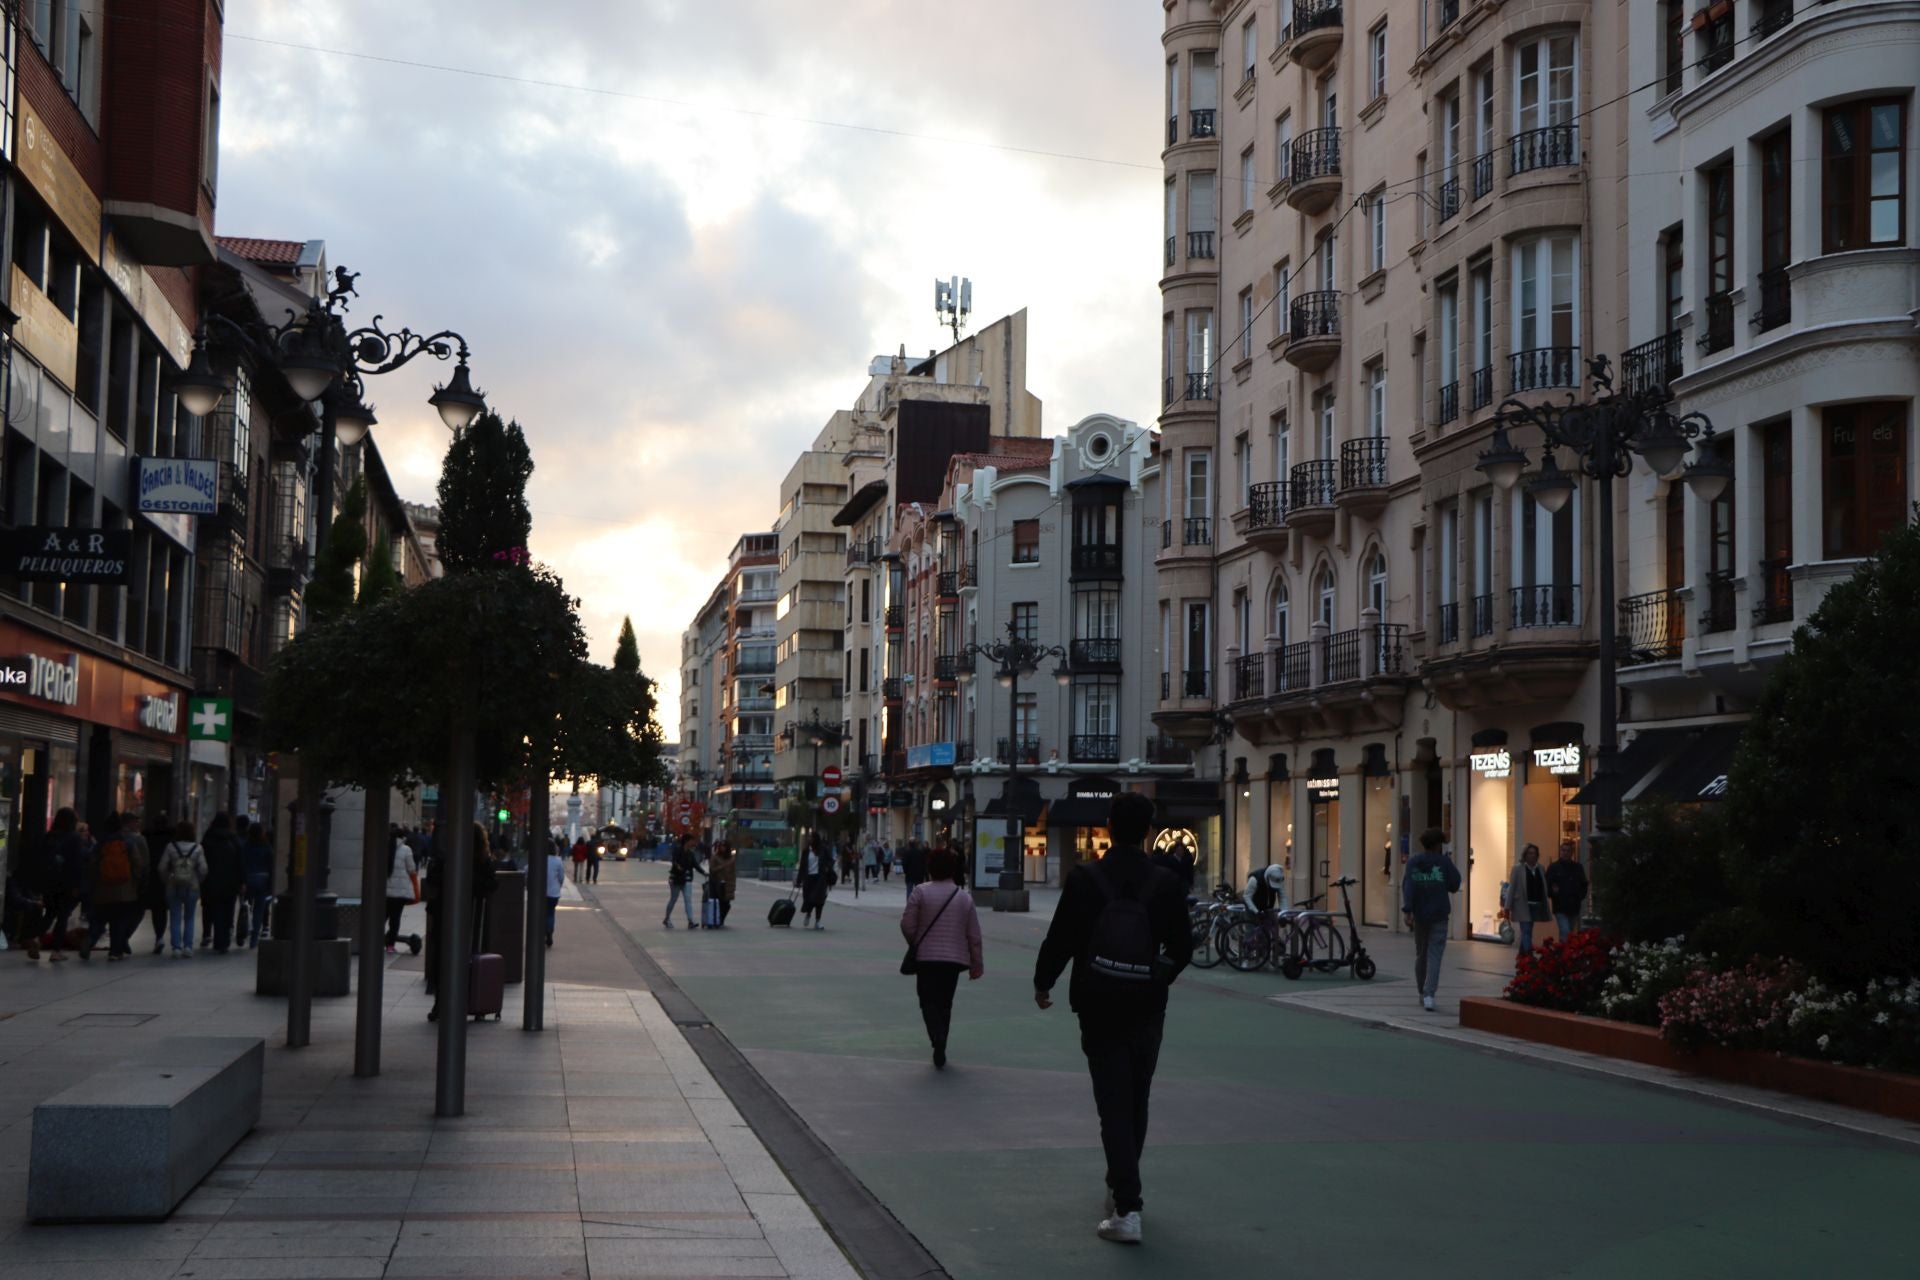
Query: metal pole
x=533, y=984
x=456, y=917
x=1013, y=876
x=1607, y=812
x=306, y=818
x=328, y=464
x=375, y=844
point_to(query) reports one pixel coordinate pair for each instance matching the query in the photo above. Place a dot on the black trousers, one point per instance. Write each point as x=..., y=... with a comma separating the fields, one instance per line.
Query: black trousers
x=1121, y=1055
x=217, y=908
x=395, y=906
x=935, y=981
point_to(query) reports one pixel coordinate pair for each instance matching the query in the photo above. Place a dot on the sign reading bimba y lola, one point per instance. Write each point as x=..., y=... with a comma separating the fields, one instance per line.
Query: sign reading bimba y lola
x=50, y=553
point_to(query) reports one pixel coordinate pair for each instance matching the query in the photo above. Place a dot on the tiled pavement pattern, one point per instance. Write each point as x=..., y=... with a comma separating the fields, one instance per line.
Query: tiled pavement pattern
x=601, y=1148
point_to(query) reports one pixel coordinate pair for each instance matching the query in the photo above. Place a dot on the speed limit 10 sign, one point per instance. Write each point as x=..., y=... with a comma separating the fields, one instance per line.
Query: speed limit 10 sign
x=830, y=805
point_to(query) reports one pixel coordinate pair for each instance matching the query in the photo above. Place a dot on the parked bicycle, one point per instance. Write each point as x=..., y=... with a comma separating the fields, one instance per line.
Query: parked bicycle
x=1257, y=939
x=1209, y=921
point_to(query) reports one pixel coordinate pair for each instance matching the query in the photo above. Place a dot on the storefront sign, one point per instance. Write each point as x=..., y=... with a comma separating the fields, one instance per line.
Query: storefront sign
x=182, y=486
x=1558, y=759
x=1493, y=764
x=133, y=281
x=901, y=799
x=210, y=719
x=1321, y=790
x=160, y=713
x=47, y=553
x=58, y=181
x=1715, y=789
x=932, y=755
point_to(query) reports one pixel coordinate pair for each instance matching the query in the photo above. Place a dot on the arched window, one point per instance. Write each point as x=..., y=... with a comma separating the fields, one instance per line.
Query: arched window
x=1377, y=585
x=1282, y=607
x=1324, y=594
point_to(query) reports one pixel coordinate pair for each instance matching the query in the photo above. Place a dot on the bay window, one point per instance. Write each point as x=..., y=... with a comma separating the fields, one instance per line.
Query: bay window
x=1863, y=194
x=1546, y=312
x=1864, y=481
x=1545, y=90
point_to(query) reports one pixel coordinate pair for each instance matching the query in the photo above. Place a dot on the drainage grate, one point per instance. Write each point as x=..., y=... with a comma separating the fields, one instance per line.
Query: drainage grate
x=109, y=1019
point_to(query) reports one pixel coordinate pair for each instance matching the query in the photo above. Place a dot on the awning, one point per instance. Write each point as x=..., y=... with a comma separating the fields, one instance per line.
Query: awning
x=1668, y=764
x=1026, y=808
x=1079, y=811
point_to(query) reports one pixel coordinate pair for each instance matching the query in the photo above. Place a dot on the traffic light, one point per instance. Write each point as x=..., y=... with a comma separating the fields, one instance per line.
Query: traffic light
x=501, y=815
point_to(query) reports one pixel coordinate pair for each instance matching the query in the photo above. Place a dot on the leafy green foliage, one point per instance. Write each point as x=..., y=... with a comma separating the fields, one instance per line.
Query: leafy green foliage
x=607, y=728
x=1661, y=875
x=330, y=593
x=380, y=578
x=483, y=495
x=1823, y=804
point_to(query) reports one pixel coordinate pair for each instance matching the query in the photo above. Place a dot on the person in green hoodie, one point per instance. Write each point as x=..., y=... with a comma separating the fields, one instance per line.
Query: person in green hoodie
x=1426, y=887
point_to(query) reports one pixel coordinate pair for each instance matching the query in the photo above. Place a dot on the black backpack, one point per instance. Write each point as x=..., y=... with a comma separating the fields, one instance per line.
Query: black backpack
x=1122, y=957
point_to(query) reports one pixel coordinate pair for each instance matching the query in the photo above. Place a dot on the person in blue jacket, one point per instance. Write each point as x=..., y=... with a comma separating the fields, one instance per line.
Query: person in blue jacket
x=1426, y=887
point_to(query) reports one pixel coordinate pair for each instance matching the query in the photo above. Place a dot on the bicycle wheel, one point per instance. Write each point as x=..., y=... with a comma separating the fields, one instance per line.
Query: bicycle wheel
x=1246, y=943
x=1329, y=948
x=1206, y=941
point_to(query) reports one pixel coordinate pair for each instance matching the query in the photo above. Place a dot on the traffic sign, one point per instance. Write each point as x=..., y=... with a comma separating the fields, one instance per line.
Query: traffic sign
x=686, y=811
x=830, y=777
x=831, y=804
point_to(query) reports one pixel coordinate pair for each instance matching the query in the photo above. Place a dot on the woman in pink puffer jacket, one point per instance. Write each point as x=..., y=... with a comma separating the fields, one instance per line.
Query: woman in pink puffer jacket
x=941, y=919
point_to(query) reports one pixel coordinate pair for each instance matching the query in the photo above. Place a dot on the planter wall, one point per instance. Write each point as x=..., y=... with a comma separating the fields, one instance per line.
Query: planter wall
x=1883, y=1092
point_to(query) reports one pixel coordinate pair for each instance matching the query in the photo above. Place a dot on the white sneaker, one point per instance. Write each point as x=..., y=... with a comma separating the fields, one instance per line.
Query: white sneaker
x=1122, y=1228
x=1426, y=1002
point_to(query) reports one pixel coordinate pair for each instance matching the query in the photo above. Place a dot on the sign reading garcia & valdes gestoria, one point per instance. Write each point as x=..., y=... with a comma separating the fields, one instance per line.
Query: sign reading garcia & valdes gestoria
x=48, y=553
x=180, y=486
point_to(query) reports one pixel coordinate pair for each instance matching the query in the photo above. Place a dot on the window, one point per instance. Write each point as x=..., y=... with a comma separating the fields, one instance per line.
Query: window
x=1282, y=446
x=1026, y=542
x=1246, y=180
x=1096, y=614
x=1281, y=313
x=64, y=31
x=1545, y=556
x=1449, y=146
x=1026, y=620
x=1202, y=212
x=1096, y=714
x=1377, y=400
x=1544, y=91
x=1199, y=483
x=1329, y=104
x=1283, y=146
x=1243, y=468
x=1483, y=548
x=1447, y=580
x=866, y=665
x=1167, y=356
x=1173, y=101
x=1246, y=324
x=1449, y=318
x=1282, y=610
x=210, y=138
x=1323, y=595
x=1377, y=586
x=1674, y=55
x=1864, y=191
x=1377, y=61
x=1026, y=727
x=1865, y=476
x=1206, y=93
x=1420, y=184
x=1325, y=406
x=1199, y=343
x=1674, y=266
x=1199, y=647
x=1776, y=237
x=1546, y=298
x=1242, y=620
x=1249, y=48
x=1168, y=227
x=1719, y=184
x=1776, y=497
x=1324, y=261
x=1377, y=230
x=1483, y=116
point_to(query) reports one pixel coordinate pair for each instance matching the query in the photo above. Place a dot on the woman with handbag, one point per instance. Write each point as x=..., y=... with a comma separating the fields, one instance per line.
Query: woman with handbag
x=943, y=939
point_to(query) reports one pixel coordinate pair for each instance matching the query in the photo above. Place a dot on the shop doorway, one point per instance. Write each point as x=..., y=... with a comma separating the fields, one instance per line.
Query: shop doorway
x=1376, y=852
x=1323, y=855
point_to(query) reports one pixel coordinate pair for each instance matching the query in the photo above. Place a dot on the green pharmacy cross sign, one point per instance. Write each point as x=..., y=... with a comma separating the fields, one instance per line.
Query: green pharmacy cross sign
x=210, y=719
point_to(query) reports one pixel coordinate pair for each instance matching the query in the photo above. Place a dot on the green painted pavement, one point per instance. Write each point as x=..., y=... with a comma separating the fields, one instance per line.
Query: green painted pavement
x=1281, y=1140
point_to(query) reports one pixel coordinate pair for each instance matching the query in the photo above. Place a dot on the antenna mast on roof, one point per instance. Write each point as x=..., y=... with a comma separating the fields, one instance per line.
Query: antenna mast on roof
x=953, y=303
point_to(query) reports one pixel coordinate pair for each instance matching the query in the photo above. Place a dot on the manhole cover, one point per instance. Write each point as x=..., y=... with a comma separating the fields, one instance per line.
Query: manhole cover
x=109, y=1020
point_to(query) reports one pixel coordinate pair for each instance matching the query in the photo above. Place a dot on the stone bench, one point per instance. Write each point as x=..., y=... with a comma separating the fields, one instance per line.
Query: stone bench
x=130, y=1142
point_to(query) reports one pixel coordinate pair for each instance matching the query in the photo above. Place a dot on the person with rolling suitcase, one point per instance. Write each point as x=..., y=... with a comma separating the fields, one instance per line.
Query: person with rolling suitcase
x=486, y=992
x=723, y=868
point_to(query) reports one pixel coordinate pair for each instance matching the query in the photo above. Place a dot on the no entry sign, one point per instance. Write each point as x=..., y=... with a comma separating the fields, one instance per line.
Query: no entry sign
x=830, y=777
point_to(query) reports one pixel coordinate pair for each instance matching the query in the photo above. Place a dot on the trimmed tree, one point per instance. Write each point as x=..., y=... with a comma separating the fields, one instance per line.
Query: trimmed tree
x=380, y=578
x=484, y=519
x=330, y=592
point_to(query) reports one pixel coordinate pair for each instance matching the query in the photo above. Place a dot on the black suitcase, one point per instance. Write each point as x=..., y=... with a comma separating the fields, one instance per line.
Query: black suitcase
x=780, y=914
x=486, y=987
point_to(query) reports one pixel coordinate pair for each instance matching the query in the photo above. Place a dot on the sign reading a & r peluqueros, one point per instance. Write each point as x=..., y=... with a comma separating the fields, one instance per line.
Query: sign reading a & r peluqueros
x=49, y=553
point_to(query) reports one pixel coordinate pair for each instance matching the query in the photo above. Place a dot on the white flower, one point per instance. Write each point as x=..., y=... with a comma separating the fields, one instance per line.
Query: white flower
x=1822, y=1042
x=1880, y=1019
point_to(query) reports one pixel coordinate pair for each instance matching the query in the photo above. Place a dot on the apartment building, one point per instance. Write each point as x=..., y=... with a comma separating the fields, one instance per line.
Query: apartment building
x=702, y=667
x=745, y=806
x=1379, y=219
x=1774, y=274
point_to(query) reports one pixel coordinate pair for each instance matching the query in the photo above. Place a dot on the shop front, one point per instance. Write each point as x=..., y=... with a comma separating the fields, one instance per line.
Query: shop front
x=1521, y=789
x=1078, y=823
x=1188, y=813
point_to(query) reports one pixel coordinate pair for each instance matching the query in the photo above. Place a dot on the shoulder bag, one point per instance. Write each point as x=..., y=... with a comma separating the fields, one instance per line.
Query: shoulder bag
x=910, y=963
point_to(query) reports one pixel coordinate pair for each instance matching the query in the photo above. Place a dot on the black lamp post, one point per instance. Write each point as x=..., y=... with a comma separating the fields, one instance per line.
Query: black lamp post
x=1602, y=435
x=1013, y=657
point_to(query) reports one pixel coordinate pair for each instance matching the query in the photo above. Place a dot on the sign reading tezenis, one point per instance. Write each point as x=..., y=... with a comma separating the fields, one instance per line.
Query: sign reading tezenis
x=48, y=553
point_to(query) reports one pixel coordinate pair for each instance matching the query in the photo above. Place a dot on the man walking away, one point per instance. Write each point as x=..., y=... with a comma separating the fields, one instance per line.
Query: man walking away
x=403, y=883
x=119, y=869
x=1122, y=923
x=556, y=884
x=1567, y=890
x=1425, y=888
x=593, y=862
x=913, y=863
x=222, y=886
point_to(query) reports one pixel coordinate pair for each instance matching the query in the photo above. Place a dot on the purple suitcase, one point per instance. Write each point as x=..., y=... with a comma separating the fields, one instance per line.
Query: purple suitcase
x=486, y=986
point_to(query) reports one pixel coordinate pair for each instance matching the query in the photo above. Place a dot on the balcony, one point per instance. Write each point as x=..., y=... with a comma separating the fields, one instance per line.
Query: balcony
x=1449, y=623
x=1716, y=43
x=1652, y=627
x=1026, y=750
x=969, y=576
x=1160, y=749
x=1201, y=126
x=1267, y=515
x=755, y=702
x=946, y=668
x=1719, y=334
x=1315, y=171
x=1544, y=606
x=1098, y=654
x=1315, y=326
x=947, y=584
x=890, y=688
x=1482, y=177
x=1776, y=593
x=1652, y=365
x=1448, y=409
x=1480, y=388
x=1317, y=31
x=896, y=617
x=859, y=554
x=1196, y=531
x=1310, y=509
x=1446, y=199
x=1481, y=611
x=1776, y=299
x=1555, y=147
x=1200, y=385
x=1096, y=560
x=1719, y=612
x=1340, y=657
x=1196, y=684
x=1770, y=16
x=757, y=595
x=1293, y=668
x=1543, y=369
x=1093, y=748
x=963, y=751
x=1449, y=13
x=1363, y=475
x=1250, y=677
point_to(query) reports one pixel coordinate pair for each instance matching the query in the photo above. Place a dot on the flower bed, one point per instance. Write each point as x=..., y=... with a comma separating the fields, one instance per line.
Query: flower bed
x=1885, y=1093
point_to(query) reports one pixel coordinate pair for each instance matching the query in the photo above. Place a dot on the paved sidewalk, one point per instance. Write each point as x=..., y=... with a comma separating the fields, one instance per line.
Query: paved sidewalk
x=600, y=1148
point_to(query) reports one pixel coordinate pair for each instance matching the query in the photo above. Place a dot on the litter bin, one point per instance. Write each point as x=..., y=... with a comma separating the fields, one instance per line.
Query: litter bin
x=503, y=925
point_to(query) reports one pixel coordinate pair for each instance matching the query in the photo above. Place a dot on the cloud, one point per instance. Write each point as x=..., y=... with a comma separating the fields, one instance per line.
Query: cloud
x=673, y=296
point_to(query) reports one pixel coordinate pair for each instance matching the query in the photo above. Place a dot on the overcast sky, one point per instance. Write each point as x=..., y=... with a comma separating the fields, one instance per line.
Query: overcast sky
x=669, y=273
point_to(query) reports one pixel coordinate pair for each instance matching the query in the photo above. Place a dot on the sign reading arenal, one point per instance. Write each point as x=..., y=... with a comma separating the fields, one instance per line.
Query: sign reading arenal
x=178, y=486
x=50, y=553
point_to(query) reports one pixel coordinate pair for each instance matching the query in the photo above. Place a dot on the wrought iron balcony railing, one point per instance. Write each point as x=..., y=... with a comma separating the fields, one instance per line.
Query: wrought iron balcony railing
x=1543, y=368
x=1545, y=606
x=1201, y=126
x=1449, y=407
x=1481, y=607
x=1315, y=15
x=1776, y=592
x=1196, y=683
x=1653, y=364
x=1267, y=505
x=1480, y=383
x=1200, y=385
x=1101, y=653
x=1482, y=175
x=1197, y=531
x=1316, y=154
x=1447, y=199
x=1341, y=661
x=1315, y=315
x=1100, y=558
x=896, y=616
x=1776, y=299
x=1652, y=627
x=1313, y=484
x=1449, y=627
x=1554, y=147
x=947, y=582
x=1719, y=613
x=1027, y=749
x=1093, y=748
x=1719, y=334
x=1363, y=463
x=1250, y=676
x=1293, y=667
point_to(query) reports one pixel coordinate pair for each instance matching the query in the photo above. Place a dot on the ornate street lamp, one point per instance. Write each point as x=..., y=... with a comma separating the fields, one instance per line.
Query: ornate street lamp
x=1602, y=435
x=1017, y=655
